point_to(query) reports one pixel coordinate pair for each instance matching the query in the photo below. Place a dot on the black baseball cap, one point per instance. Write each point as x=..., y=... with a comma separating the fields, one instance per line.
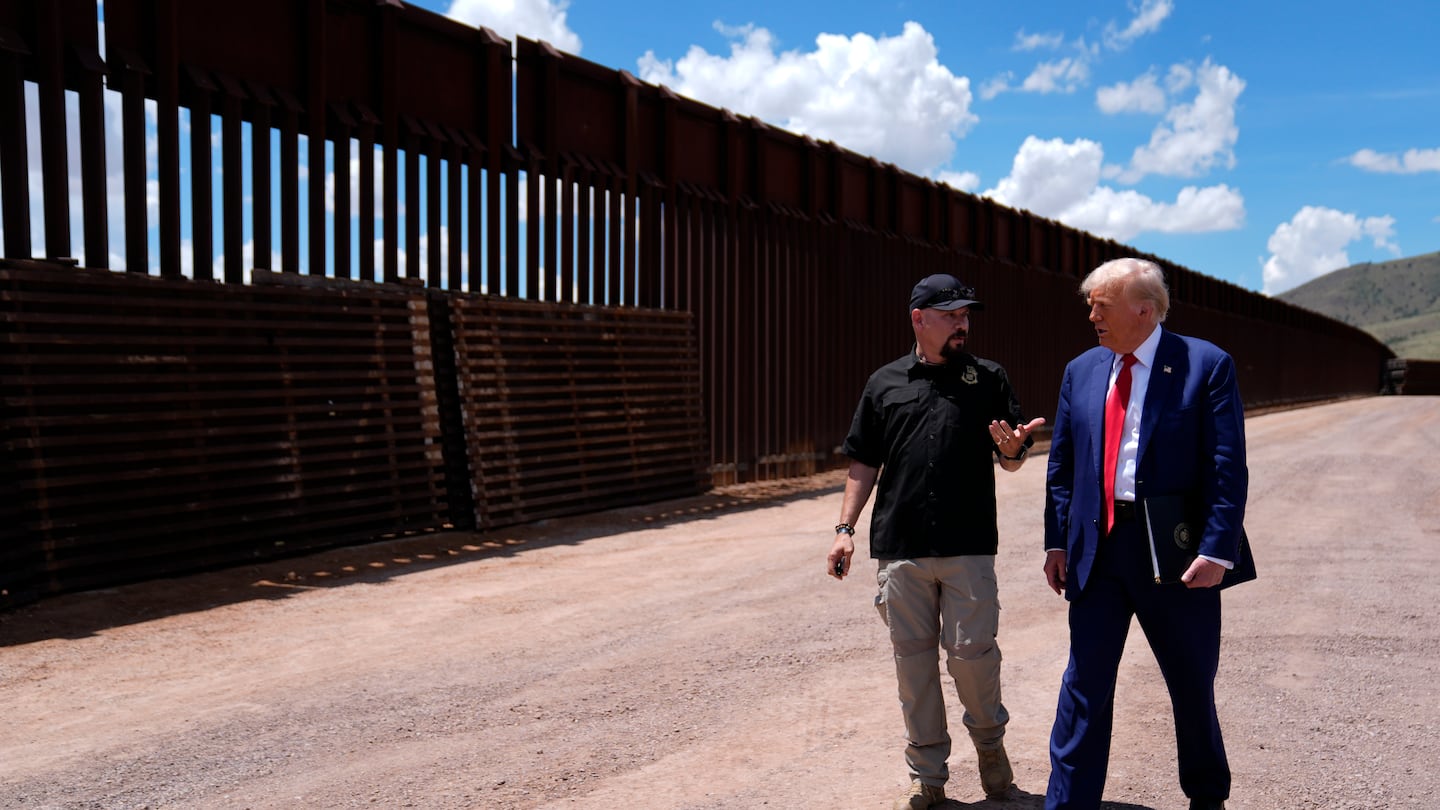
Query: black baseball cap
x=943, y=291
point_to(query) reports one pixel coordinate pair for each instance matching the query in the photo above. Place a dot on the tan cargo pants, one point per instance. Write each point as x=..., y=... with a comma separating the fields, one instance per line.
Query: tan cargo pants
x=950, y=603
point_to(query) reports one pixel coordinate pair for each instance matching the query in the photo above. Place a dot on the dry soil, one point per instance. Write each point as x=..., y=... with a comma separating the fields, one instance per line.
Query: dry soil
x=694, y=654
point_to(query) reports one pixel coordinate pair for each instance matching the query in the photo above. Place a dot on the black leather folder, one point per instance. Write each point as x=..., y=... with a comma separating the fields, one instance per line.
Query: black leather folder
x=1174, y=528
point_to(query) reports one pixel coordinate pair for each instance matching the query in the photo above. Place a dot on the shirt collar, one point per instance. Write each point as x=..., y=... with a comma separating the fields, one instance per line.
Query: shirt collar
x=919, y=367
x=1145, y=352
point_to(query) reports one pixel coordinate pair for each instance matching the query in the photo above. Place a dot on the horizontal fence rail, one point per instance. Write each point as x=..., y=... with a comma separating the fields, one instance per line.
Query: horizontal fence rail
x=572, y=409
x=154, y=426
x=350, y=141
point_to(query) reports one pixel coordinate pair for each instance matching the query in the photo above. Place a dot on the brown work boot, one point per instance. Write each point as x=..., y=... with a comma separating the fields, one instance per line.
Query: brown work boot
x=920, y=796
x=995, y=774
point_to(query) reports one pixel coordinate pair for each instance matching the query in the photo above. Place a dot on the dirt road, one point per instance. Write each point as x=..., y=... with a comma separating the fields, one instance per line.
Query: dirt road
x=694, y=655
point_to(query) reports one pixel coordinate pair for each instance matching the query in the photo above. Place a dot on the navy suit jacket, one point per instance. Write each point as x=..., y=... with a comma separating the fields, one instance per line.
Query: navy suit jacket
x=1192, y=443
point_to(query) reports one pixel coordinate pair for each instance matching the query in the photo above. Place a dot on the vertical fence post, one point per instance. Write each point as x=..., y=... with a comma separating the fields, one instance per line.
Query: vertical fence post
x=262, y=106
x=199, y=89
x=93, y=196
x=317, y=57
x=232, y=193
x=14, y=168
x=54, y=141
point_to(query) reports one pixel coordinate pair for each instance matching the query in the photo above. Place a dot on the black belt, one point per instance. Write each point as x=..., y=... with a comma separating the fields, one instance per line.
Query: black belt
x=1125, y=512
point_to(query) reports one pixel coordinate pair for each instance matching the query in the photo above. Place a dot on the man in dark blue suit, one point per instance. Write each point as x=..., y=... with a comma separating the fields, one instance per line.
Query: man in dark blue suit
x=1171, y=410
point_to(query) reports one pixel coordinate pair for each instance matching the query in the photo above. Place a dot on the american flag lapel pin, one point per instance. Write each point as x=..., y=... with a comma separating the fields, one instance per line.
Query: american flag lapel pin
x=1165, y=369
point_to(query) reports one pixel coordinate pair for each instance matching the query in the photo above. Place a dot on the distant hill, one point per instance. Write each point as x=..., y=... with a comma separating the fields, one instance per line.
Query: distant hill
x=1396, y=301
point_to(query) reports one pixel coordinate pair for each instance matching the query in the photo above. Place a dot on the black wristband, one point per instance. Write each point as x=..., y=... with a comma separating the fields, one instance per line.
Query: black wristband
x=846, y=528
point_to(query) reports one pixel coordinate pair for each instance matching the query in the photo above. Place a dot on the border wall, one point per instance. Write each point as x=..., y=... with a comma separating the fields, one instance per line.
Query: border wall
x=498, y=201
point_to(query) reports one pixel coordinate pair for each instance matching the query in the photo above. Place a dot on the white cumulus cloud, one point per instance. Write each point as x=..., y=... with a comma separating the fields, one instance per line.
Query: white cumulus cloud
x=533, y=19
x=1122, y=215
x=834, y=92
x=1193, y=138
x=1148, y=17
x=1413, y=161
x=1061, y=181
x=1142, y=95
x=1036, y=42
x=1060, y=76
x=995, y=85
x=1313, y=243
x=1050, y=177
x=1069, y=73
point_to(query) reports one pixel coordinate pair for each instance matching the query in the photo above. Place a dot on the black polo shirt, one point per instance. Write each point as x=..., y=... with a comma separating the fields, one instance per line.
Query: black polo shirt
x=927, y=428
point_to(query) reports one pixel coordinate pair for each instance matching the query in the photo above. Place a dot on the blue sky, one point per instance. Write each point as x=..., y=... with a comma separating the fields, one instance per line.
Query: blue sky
x=1264, y=143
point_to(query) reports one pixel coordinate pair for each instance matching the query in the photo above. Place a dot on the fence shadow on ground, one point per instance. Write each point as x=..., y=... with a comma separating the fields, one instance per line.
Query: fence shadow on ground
x=78, y=615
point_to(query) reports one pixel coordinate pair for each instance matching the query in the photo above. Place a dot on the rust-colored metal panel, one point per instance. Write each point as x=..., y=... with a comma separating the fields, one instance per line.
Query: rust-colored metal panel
x=591, y=98
x=963, y=213
x=289, y=172
x=856, y=180
x=232, y=192
x=1004, y=224
x=14, y=137
x=782, y=160
x=910, y=206
x=1042, y=241
x=22, y=561
x=442, y=68
x=571, y=408
x=698, y=144
x=158, y=426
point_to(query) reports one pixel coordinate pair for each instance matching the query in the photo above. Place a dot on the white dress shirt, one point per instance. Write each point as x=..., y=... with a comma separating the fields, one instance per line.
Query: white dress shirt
x=1130, y=435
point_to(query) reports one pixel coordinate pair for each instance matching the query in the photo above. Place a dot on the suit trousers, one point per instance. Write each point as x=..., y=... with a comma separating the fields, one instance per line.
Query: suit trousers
x=1182, y=627
x=950, y=603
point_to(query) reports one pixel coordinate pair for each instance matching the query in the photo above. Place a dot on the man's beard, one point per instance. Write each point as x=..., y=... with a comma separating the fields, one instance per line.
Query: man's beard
x=953, y=351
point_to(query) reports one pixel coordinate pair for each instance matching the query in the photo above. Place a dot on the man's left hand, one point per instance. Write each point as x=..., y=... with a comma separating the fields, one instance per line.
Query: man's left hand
x=1203, y=574
x=1009, y=440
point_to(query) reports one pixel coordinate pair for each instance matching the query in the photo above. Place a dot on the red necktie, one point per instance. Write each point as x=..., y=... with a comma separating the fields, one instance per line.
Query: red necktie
x=1115, y=405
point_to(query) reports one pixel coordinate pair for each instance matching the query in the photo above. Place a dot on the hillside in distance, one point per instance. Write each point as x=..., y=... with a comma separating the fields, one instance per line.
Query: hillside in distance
x=1396, y=301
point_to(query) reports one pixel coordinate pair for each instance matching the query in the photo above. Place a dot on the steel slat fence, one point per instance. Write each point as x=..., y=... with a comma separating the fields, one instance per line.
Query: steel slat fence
x=570, y=409
x=517, y=170
x=154, y=426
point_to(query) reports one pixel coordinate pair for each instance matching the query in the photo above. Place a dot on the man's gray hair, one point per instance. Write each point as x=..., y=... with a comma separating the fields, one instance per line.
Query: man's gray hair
x=1144, y=281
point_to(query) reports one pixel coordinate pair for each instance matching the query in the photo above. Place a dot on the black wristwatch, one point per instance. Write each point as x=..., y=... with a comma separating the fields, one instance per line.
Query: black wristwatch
x=1024, y=450
x=846, y=528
